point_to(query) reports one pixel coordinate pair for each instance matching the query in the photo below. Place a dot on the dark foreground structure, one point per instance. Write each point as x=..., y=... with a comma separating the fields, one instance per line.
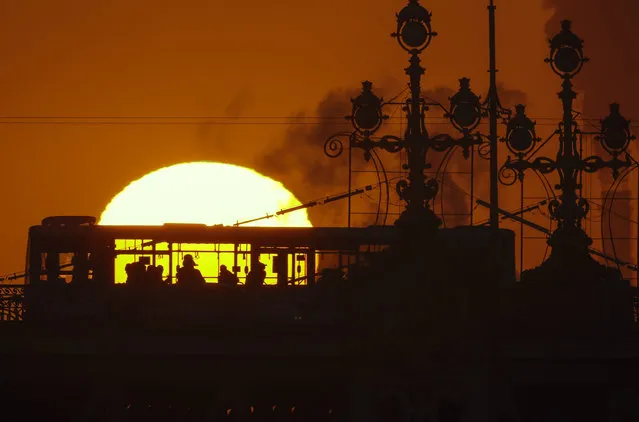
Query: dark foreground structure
x=397, y=333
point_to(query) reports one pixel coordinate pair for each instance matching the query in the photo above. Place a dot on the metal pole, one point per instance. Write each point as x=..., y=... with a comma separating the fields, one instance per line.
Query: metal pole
x=472, y=182
x=521, y=231
x=350, y=176
x=416, y=139
x=493, y=105
x=565, y=160
x=170, y=249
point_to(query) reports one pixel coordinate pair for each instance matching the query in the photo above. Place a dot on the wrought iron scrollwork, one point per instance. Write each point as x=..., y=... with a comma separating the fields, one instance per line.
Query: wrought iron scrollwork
x=564, y=211
x=391, y=143
x=583, y=206
x=432, y=187
x=442, y=142
x=401, y=187
x=414, y=34
x=553, y=208
x=333, y=147
x=508, y=176
x=11, y=303
x=569, y=242
x=593, y=163
x=484, y=150
x=542, y=164
x=545, y=165
x=468, y=141
x=617, y=165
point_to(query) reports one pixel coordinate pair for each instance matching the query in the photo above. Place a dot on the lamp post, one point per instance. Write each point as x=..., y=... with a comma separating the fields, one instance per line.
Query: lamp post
x=414, y=34
x=494, y=107
x=569, y=259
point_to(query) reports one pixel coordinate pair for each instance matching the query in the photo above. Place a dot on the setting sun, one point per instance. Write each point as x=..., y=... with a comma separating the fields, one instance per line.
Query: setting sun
x=201, y=193
x=205, y=193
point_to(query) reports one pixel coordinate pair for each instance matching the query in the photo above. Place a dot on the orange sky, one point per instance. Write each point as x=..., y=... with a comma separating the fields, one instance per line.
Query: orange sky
x=213, y=58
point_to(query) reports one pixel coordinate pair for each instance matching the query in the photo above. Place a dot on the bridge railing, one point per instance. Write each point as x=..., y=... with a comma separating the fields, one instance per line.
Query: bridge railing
x=11, y=302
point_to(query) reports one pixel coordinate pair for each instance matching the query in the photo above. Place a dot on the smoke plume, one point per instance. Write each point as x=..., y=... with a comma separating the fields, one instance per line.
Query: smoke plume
x=610, y=41
x=300, y=157
x=311, y=175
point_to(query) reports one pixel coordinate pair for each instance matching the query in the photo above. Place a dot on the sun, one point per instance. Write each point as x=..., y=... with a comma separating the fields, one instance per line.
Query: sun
x=201, y=193
x=204, y=193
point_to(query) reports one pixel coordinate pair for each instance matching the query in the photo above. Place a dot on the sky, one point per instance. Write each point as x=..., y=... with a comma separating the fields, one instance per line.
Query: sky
x=251, y=59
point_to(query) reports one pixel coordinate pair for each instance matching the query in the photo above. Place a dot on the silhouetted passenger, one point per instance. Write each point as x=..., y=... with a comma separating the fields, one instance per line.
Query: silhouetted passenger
x=153, y=275
x=227, y=278
x=256, y=276
x=188, y=275
x=135, y=273
x=158, y=275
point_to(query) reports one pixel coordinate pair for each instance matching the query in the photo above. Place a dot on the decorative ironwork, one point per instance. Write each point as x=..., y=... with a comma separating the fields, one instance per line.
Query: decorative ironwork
x=484, y=150
x=333, y=147
x=465, y=108
x=615, y=132
x=11, y=303
x=508, y=175
x=566, y=52
x=520, y=135
x=569, y=242
x=367, y=114
x=414, y=34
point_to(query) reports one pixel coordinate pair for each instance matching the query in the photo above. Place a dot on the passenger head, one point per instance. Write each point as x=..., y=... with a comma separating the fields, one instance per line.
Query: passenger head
x=223, y=268
x=188, y=261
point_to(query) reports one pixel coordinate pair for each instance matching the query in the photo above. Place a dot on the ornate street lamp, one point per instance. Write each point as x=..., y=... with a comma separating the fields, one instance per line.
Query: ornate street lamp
x=570, y=259
x=414, y=34
x=465, y=108
x=520, y=133
x=615, y=138
x=367, y=114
